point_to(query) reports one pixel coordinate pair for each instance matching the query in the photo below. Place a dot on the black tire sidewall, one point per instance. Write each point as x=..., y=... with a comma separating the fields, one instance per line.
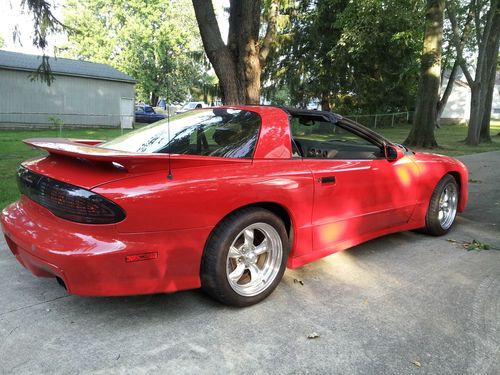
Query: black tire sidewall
x=432, y=224
x=213, y=268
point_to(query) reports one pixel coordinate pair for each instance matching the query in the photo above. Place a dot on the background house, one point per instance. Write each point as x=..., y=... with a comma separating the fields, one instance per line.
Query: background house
x=457, y=108
x=82, y=94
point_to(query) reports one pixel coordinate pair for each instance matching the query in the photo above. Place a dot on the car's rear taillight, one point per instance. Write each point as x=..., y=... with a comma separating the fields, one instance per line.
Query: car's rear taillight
x=68, y=201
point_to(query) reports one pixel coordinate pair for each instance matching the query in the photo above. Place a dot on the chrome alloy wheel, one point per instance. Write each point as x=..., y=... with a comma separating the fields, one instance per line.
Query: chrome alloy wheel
x=448, y=202
x=254, y=259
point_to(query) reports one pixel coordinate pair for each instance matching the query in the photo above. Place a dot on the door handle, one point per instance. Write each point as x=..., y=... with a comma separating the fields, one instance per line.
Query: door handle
x=327, y=180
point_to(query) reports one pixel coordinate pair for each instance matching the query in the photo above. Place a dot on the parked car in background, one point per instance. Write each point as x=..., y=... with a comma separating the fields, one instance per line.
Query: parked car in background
x=190, y=106
x=146, y=113
x=221, y=198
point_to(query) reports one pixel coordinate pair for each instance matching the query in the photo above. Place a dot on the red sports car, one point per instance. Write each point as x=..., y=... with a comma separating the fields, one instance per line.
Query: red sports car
x=220, y=198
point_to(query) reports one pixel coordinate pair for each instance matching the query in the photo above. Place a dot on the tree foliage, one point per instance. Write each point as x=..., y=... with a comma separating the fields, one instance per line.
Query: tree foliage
x=156, y=42
x=357, y=56
x=44, y=24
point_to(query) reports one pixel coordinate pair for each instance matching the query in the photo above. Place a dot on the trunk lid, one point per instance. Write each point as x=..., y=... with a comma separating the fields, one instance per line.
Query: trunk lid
x=85, y=164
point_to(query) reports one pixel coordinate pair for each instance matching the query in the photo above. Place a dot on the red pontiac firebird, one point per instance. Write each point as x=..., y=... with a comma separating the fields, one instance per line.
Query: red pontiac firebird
x=220, y=198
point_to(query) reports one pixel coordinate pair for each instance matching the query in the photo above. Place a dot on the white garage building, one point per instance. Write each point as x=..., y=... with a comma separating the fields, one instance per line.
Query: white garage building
x=82, y=94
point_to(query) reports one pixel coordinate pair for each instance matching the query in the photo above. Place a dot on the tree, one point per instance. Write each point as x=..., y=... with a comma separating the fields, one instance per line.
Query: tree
x=156, y=42
x=486, y=14
x=303, y=60
x=331, y=50
x=1, y=41
x=380, y=45
x=239, y=63
x=424, y=122
x=44, y=24
x=451, y=60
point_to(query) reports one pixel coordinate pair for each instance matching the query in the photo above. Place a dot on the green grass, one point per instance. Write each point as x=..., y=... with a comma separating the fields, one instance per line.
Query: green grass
x=13, y=151
x=449, y=138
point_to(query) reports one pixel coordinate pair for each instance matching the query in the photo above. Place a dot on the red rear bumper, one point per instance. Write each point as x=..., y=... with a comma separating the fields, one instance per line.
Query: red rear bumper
x=94, y=260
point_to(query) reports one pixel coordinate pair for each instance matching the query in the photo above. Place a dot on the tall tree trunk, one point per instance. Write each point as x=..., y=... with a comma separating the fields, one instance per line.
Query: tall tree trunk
x=325, y=101
x=488, y=55
x=484, y=133
x=218, y=53
x=243, y=41
x=238, y=64
x=489, y=87
x=447, y=91
x=153, y=99
x=424, y=122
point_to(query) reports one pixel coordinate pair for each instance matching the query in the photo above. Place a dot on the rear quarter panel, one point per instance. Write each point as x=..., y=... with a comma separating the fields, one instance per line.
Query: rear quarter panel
x=201, y=197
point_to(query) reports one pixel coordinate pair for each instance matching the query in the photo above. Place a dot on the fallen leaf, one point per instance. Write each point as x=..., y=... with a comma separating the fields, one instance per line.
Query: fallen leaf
x=476, y=245
x=298, y=281
x=472, y=181
x=313, y=335
x=416, y=363
x=473, y=245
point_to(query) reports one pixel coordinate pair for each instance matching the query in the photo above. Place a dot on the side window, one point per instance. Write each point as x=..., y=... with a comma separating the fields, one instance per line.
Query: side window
x=149, y=110
x=313, y=137
x=139, y=109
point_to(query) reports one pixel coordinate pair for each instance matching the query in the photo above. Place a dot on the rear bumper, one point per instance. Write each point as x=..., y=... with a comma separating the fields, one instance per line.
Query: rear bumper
x=92, y=259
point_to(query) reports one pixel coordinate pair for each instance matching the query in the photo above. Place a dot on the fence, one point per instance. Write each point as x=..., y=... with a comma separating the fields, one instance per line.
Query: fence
x=54, y=120
x=69, y=120
x=383, y=120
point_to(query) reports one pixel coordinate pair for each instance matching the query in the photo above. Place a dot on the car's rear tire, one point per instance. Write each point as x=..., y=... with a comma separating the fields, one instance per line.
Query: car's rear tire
x=245, y=257
x=442, y=208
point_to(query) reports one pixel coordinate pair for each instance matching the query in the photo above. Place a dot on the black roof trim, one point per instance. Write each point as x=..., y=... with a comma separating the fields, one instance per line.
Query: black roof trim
x=336, y=118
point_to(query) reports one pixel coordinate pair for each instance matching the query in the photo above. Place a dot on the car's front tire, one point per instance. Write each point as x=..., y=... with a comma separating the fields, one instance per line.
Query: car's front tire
x=442, y=208
x=245, y=257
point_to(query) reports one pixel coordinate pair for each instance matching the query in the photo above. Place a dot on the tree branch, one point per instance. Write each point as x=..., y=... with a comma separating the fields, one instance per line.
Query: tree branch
x=459, y=40
x=477, y=20
x=209, y=28
x=218, y=53
x=272, y=20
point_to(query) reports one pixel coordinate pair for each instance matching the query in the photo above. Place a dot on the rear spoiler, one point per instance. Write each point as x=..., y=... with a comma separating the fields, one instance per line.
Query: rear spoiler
x=133, y=162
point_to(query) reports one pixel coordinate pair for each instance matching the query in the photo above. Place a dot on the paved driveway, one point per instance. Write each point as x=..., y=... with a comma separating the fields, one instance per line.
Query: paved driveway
x=401, y=304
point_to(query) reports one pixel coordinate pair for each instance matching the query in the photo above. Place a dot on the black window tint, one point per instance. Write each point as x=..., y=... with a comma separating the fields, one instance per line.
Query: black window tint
x=148, y=109
x=215, y=132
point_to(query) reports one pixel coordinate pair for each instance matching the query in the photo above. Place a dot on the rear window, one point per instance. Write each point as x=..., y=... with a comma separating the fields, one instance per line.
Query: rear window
x=219, y=132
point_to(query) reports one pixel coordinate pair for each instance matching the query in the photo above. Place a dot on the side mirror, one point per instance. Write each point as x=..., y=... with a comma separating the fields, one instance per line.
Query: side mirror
x=393, y=153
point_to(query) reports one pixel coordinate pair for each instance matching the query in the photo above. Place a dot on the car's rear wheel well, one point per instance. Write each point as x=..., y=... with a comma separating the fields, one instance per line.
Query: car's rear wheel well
x=276, y=209
x=279, y=211
x=456, y=176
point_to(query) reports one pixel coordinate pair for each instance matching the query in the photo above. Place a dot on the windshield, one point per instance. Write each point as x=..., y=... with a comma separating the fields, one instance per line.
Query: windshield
x=190, y=105
x=213, y=132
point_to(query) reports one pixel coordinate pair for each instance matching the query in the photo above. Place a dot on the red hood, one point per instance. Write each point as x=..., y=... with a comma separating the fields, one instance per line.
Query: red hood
x=437, y=158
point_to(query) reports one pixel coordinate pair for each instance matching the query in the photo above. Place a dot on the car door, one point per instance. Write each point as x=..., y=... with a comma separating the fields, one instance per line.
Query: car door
x=354, y=184
x=139, y=114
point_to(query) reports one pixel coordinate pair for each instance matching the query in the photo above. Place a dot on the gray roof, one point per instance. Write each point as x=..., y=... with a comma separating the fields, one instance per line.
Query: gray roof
x=60, y=66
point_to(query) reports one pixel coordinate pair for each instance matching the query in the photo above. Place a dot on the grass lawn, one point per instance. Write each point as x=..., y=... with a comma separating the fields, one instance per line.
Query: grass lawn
x=13, y=151
x=449, y=138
